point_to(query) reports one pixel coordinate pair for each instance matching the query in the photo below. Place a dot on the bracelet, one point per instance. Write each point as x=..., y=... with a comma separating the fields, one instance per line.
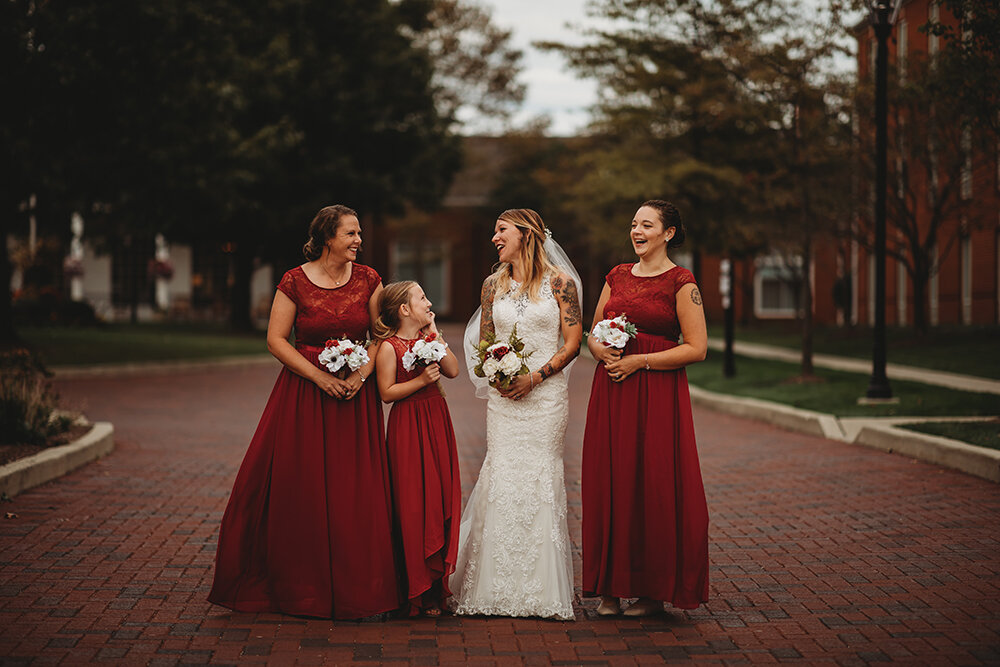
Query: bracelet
x=531, y=379
x=647, y=362
x=362, y=375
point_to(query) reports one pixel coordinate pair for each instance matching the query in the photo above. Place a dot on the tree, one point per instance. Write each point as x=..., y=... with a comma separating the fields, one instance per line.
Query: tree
x=930, y=151
x=971, y=52
x=476, y=68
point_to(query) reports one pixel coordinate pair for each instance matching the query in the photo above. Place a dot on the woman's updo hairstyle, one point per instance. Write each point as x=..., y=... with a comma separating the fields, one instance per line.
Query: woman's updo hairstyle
x=670, y=217
x=323, y=228
x=392, y=297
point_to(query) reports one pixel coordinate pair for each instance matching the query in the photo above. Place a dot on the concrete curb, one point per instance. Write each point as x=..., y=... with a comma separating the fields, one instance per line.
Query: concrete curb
x=54, y=462
x=978, y=461
x=784, y=416
x=946, y=452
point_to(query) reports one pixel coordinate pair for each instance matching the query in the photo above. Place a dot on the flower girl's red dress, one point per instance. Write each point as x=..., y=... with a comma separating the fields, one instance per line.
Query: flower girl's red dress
x=426, y=488
x=645, y=519
x=308, y=528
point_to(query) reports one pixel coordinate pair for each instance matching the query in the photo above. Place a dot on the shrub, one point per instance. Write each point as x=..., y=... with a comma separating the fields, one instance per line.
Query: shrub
x=27, y=401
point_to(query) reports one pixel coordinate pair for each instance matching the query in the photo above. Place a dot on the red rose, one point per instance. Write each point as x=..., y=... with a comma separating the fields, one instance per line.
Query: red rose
x=430, y=337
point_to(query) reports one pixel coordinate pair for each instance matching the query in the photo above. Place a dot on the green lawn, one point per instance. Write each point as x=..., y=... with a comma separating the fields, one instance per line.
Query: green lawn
x=968, y=350
x=126, y=343
x=982, y=434
x=836, y=392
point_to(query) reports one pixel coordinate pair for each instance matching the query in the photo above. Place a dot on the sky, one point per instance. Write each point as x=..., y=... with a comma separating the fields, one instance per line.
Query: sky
x=553, y=90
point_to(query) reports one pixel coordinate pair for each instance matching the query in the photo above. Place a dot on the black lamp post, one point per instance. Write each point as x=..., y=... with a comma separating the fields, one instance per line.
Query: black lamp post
x=883, y=16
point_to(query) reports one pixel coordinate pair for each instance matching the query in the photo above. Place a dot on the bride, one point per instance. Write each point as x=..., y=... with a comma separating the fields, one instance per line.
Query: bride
x=514, y=551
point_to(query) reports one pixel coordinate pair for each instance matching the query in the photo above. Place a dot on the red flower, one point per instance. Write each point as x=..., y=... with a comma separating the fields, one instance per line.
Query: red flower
x=615, y=325
x=430, y=337
x=500, y=352
x=331, y=343
x=348, y=350
x=611, y=314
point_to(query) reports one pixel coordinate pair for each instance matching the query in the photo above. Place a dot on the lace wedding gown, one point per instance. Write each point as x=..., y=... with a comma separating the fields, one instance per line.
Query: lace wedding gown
x=514, y=551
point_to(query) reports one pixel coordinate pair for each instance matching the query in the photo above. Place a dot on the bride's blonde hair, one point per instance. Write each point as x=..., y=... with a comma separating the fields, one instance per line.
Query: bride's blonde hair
x=534, y=261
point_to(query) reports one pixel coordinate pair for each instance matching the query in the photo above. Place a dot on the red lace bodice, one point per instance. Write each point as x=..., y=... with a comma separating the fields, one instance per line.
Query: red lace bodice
x=400, y=346
x=649, y=302
x=322, y=313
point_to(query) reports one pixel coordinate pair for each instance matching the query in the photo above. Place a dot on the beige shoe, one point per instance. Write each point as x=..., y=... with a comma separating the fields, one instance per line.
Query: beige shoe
x=609, y=606
x=644, y=607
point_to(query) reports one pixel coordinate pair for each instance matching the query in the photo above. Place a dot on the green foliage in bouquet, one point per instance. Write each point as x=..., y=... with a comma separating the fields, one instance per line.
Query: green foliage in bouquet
x=500, y=380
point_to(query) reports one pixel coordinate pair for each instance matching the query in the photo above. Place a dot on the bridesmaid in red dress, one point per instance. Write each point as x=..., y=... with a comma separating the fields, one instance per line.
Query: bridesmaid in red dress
x=423, y=457
x=645, y=520
x=308, y=528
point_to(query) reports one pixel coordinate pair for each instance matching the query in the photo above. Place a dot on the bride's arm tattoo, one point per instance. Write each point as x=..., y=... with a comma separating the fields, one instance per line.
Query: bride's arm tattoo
x=486, y=300
x=566, y=293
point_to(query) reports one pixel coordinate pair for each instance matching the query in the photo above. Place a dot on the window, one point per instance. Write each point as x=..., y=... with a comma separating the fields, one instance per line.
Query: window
x=427, y=263
x=776, y=287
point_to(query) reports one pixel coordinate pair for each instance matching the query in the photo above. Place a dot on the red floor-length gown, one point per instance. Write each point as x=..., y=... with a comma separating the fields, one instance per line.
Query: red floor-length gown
x=308, y=528
x=426, y=488
x=645, y=519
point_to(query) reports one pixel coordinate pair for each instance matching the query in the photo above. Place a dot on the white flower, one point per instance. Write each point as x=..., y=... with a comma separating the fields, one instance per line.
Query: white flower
x=616, y=338
x=490, y=368
x=409, y=360
x=431, y=352
x=510, y=364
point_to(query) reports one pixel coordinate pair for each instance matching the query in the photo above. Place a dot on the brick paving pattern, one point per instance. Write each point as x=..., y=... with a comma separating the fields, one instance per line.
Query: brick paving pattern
x=822, y=552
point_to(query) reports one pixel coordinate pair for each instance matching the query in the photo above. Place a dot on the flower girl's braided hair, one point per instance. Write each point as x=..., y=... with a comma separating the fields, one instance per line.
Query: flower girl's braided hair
x=323, y=228
x=534, y=260
x=392, y=297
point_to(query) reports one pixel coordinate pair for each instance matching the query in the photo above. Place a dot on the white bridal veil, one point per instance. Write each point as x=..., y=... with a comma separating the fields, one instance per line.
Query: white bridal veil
x=557, y=256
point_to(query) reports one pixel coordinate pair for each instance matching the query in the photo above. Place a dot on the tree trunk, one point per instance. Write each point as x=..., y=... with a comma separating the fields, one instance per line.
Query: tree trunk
x=239, y=299
x=807, y=311
x=920, y=279
x=8, y=335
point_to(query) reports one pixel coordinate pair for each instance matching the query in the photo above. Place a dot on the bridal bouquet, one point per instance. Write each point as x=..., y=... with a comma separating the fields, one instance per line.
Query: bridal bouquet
x=343, y=352
x=424, y=351
x=500, y=363
x=614, y=332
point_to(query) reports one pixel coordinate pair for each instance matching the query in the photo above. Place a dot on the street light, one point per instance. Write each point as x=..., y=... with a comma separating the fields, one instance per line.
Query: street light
x=883, y=17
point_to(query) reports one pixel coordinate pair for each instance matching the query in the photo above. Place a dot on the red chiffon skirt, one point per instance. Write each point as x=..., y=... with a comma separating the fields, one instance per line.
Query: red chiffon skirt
x=645, y=519
x=308, y=527
x=427, y=494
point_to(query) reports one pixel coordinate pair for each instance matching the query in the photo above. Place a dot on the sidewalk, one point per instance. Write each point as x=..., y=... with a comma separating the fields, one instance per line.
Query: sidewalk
x=822, y=553
x=894, y=371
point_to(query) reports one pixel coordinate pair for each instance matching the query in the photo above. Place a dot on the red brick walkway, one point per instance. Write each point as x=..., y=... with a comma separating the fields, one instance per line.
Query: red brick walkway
x=822, y=552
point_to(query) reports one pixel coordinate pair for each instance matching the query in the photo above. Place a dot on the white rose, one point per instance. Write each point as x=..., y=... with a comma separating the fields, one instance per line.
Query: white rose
x=616, y=338
x=432, y=352
x=490, y=368
x=409, y=359
x=510, y=364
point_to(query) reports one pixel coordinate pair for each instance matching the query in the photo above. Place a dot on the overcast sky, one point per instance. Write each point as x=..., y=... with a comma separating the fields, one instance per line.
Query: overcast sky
x=552, y=89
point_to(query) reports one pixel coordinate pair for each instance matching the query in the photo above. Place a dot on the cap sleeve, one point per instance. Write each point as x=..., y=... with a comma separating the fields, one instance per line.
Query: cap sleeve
x=613, y=274
x=683, y=277
x=372, y=278
x=289, y=285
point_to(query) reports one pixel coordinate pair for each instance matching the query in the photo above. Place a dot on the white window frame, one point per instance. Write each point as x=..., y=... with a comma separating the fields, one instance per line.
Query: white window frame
x=763, y=265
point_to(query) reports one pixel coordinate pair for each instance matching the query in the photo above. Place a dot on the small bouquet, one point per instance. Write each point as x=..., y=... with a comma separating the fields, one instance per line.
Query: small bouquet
x=339, y=353
x=424, y=351
x=614, y=332
x=500, y=363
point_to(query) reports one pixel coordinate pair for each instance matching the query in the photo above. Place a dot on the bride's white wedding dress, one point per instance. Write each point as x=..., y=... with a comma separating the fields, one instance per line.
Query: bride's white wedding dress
x=514, y=551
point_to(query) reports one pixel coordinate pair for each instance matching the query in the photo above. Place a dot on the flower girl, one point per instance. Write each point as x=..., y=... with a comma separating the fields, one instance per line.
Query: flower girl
x=423, y=458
